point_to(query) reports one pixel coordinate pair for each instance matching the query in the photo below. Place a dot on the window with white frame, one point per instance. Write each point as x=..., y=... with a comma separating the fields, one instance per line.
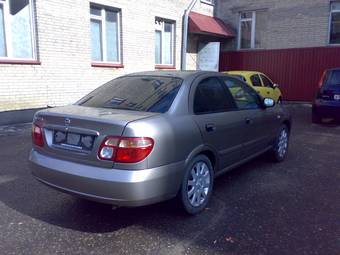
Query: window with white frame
x=105, y=34
x=17, y=40
x=246, y=36
x=212, y=2
x=164, y=42
x=334, y=32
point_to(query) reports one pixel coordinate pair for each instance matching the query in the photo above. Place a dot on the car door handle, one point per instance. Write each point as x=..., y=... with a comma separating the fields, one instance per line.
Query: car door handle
x=210, y=127
x=249, y=121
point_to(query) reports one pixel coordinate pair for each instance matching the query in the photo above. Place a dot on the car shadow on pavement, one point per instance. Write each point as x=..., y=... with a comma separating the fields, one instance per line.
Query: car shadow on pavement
x=330, y=123
x=27, y=196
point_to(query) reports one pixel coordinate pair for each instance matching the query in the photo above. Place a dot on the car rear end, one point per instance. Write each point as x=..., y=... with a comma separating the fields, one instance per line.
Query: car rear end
x=88, y=150
x=327, y=102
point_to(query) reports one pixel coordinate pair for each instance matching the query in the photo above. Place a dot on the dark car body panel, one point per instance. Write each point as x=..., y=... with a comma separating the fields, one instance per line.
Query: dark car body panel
x=326, y=108
x=327, y=101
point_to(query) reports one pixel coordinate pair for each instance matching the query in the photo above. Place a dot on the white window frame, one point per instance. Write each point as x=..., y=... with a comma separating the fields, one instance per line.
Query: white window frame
x=210, y=2
x=160, y=28
x=102, y=20
x=253, y=29
x=8, y=34
x=330, y=22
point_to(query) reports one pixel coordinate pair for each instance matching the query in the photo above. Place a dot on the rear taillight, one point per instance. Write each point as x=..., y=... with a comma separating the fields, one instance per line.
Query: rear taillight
x=322, y=79
x=125, y=149
x=37, y=135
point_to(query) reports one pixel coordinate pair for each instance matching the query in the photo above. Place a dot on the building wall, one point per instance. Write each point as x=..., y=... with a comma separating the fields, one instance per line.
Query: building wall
x=291, y=43
x=64, y=49
x=285, y=24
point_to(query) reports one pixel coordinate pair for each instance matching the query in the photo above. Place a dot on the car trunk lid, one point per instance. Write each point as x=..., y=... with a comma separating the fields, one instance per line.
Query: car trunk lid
x=330, y=93
x=75, y=132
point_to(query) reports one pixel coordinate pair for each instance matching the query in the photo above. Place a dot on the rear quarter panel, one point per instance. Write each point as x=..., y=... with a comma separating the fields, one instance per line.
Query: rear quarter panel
x=175, y=137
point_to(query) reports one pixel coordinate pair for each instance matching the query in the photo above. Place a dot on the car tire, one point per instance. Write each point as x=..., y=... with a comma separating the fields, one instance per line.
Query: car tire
x=316, y=118
x=197, y=185
x=281, y=144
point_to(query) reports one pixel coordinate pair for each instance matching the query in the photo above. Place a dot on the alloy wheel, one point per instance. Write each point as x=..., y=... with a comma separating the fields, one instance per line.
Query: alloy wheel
x=282, y=143
x=198, y=184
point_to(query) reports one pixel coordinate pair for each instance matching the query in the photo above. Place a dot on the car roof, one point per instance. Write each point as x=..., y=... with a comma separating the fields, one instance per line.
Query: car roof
x=243, y=72
x=334, y=69
x=173, y=73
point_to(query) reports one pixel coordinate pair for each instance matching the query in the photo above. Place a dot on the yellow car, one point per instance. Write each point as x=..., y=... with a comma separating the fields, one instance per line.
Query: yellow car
x=260, y=82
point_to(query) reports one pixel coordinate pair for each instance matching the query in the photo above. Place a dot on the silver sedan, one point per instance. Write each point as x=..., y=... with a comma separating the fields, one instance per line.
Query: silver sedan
x=147, y=137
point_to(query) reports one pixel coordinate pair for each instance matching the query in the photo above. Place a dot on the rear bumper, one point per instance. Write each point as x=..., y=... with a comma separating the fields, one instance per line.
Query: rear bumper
x=327, y=109
x=112, y=186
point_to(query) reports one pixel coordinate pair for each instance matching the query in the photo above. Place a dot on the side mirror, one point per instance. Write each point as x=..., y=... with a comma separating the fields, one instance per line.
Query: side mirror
x=268, y=102
x=275, y=86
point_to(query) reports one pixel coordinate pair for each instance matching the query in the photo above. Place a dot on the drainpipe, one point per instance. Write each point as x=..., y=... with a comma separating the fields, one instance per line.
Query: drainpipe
x=185, y=34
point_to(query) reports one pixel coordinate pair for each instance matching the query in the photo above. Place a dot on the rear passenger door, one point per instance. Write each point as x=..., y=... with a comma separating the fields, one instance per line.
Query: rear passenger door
x=221, y=126
x=256, y=136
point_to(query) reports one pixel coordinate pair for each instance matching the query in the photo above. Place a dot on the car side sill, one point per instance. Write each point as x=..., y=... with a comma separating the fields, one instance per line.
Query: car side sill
x=231, y=167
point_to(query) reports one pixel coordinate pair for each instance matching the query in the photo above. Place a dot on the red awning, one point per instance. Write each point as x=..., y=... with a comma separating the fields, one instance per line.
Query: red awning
x=203, y=24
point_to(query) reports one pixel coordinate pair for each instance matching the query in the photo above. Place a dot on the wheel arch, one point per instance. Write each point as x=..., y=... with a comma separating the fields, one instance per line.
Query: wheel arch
x=207, y=151
x=288, y=124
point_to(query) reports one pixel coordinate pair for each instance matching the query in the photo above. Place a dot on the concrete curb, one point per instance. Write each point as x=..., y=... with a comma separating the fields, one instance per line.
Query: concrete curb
x=18, y=116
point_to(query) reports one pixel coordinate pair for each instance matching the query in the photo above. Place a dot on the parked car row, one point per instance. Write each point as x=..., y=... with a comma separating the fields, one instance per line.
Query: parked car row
x=147, y=137
x=327, y=100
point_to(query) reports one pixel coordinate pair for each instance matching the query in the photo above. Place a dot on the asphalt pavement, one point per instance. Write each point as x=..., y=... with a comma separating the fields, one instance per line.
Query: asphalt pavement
x=259, y=208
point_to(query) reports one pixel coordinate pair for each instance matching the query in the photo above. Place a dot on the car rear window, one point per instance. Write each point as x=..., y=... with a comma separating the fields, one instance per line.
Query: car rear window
x=334, y=78
x=137, y=93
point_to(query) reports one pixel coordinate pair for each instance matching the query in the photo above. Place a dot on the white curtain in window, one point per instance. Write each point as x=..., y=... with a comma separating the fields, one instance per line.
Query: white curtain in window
x=21, y=29
x=158, y=43
x=96, y=40
x=2, y=33
x=167, y=44
x=336, y=6
x=112, y=36
x=246, y=34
